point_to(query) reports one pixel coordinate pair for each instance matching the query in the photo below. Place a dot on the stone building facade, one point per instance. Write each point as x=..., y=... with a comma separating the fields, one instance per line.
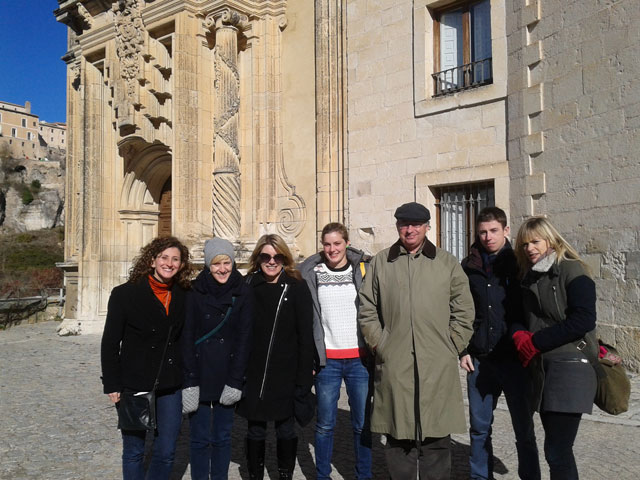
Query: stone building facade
x=19, y=130
x=53, y=135
x=28, y=137
x=235, y=118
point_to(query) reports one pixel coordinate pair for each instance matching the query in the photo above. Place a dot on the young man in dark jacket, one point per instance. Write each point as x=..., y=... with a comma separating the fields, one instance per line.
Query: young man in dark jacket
x=490, y=359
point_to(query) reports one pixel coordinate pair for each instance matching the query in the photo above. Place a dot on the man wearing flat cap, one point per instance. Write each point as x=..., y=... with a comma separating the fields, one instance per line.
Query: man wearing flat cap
x=416, y=314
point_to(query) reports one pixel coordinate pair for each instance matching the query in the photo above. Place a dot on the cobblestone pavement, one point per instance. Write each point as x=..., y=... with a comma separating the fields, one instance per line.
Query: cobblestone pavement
x=57, y=424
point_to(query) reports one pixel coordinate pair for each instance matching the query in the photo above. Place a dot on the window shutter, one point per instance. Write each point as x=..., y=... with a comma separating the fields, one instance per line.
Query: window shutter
x=451, y=46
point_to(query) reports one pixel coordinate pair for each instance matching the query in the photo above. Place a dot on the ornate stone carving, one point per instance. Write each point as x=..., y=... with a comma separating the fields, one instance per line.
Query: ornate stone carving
x=292, y=216
x=75, y=69
x=84, y=13
x=130, y=36
x=226, y=204
x=283, y=22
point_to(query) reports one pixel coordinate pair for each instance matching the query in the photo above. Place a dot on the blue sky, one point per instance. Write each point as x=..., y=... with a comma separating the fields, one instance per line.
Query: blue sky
x=31, y=44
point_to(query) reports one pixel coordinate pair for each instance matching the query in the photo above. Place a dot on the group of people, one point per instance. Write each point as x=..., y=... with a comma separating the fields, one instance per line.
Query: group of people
x=394, y=328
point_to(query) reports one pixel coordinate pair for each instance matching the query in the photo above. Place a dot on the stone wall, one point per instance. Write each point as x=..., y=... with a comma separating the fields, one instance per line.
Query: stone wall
x=402, y=142
x=574, y=112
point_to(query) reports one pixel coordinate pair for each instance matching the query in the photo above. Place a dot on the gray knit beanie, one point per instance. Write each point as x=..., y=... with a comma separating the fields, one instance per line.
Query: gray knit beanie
x=215, y=247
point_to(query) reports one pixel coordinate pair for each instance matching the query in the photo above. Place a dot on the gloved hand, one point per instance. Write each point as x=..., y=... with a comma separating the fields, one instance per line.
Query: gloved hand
x=525, y=347
x=190, y=399
x=230, y=395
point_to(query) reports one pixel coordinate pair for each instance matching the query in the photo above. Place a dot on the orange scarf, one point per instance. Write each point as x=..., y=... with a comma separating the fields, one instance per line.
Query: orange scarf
x=162, y=291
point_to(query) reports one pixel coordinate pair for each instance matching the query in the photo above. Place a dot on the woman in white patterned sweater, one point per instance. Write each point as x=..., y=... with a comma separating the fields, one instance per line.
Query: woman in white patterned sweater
x=334, y=277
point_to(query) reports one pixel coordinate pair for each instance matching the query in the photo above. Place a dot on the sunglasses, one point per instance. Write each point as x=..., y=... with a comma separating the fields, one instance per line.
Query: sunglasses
x=266, y=258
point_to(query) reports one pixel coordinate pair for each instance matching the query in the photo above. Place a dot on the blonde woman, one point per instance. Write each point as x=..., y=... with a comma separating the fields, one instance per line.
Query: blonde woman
x=559, y=342
x=280, y=367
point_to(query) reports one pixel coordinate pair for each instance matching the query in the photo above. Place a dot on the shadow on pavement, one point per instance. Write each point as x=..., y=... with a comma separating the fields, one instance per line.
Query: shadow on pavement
x=343, y=456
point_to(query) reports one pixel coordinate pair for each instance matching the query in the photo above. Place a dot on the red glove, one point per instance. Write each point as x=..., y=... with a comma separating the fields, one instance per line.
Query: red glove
x=526, y=349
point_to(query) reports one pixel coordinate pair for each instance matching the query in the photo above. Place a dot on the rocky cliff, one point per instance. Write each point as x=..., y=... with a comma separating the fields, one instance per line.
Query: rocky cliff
x=31, y=194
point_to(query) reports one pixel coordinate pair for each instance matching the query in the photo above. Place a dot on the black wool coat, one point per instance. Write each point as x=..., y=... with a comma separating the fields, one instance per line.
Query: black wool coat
x=281, y=359
x=222, y=358
x=135, y=333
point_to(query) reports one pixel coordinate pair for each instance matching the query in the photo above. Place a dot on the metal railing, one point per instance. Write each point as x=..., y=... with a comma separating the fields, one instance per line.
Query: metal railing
x=18, y=308
x=462, y=77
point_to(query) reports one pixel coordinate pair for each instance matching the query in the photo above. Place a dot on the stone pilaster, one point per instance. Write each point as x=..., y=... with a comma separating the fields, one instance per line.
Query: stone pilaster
x=331, y=109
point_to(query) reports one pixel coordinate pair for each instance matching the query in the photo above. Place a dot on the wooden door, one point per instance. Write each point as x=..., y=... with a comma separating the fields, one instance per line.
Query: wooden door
x=164, y=219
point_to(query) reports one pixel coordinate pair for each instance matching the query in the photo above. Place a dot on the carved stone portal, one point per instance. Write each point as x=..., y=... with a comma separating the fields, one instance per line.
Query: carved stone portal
x=176, y=116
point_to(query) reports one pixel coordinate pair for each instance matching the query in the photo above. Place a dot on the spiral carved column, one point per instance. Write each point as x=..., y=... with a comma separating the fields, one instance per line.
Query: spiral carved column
x=226, y=172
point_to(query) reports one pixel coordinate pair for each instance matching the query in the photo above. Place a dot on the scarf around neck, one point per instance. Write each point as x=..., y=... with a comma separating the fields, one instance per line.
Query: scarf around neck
x=545, y=263
x=162, y=291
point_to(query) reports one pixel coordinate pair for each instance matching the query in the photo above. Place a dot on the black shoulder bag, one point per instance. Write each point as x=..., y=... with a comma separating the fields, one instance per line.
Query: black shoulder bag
x=137, y=410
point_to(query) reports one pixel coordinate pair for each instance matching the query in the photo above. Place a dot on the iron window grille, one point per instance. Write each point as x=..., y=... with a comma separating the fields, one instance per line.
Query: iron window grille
x=457, y=207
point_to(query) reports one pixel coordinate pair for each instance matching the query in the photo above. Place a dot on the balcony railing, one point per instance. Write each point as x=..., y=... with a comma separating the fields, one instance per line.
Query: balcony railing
x=471, y=75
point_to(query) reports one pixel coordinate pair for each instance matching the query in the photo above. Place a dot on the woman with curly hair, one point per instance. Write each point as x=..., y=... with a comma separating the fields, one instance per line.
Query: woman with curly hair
x=280, y=369
x=143, y=316
x=559, y=341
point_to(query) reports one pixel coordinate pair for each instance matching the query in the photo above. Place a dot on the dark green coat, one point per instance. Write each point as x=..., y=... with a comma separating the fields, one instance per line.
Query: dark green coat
x=564, y=379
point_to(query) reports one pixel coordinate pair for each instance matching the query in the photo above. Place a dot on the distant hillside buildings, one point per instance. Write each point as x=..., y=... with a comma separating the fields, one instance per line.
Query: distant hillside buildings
x=27, y=135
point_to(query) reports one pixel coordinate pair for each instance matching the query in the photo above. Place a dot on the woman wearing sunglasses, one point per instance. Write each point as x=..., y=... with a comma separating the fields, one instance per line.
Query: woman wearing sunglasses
x=280, y=370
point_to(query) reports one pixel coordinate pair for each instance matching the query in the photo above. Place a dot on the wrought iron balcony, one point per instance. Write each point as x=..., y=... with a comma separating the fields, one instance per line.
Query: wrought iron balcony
x=463, y=77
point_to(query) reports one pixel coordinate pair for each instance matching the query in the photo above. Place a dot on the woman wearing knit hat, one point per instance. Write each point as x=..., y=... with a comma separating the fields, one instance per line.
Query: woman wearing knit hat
x=215, y=346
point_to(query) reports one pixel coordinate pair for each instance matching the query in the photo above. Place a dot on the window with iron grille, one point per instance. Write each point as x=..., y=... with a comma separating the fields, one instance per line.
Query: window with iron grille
x=462, y=53
x=457, y=207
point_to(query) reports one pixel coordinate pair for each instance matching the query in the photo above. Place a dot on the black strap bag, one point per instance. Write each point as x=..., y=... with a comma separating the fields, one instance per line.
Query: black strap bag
x=137, y=410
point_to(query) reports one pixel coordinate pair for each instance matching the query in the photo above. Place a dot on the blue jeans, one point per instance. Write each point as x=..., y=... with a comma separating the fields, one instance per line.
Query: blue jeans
x=484, y=386
x=327, y=382
x=169, y=419
x=210, y=428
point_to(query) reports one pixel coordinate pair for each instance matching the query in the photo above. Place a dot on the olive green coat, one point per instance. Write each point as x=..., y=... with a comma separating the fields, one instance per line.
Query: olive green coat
x=416, y=303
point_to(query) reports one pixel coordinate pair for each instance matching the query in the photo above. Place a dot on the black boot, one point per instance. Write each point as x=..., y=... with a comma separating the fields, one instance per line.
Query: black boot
x=286, y=449
x=255, y=459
